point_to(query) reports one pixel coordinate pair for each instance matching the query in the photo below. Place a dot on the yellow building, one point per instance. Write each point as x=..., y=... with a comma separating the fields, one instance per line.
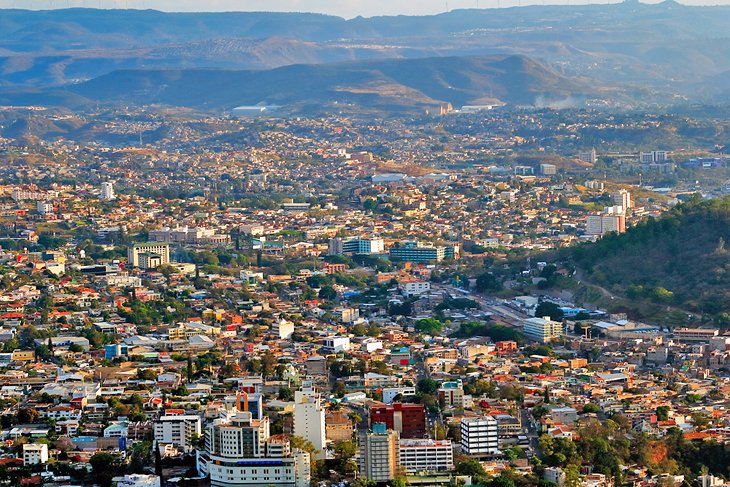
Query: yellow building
x=185, y=331
x=23, y=355
x=213, y=314
x=338, y=426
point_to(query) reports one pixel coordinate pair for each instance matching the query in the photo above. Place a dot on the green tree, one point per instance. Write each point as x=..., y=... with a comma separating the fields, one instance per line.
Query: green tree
x=327, y=293
x=427, y=386
x=429, y=326
x=345, y=452
x=285, y=394
x=662, y=413
x=548, y=308
x=27, y=415
x=473, y=468
x=591, y=408
x=103, y=468
x=488, y=282
x=540, y=411
x=303, y=444
x=502, y=481
x=359, y=330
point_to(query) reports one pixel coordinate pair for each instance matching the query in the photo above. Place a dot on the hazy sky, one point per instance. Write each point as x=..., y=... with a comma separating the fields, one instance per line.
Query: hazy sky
x=344, y=8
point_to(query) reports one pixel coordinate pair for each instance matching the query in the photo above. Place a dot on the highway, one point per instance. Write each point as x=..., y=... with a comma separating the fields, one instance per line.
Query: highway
x=501, y=313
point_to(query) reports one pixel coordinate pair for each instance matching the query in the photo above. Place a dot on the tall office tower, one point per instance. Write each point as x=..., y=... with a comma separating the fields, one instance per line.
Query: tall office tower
x=107, y=191
x=379, y=459
x=309, y=417
x=622, y=198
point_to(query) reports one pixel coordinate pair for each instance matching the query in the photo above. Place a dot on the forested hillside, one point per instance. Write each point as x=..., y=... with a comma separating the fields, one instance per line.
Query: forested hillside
x=681, y=260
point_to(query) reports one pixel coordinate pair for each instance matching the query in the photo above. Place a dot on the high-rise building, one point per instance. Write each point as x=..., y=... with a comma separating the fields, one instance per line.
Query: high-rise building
x=282, y=329
x=246, y=402
x=177, y=430
x=379, y=458
x=309, y=417
x=590, y=156
x=426, y=455
x=107, y=191
x=479, y=436
x=542, y=330
x=409, y=420
x=153, y=249
x=548, y=169
x=622, y=198
x=240, y=452
x=613, y=219
x=595, y=185
x=44, y=207
x=654, y=157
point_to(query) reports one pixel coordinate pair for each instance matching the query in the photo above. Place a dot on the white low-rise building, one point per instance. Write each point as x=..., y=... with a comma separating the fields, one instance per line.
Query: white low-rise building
x=426, y=455
x=35, y=453
x=137, y=480
x=415, y=288
x=337, y=344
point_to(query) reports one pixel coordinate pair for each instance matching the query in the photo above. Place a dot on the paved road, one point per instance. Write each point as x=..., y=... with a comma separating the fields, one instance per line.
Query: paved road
x=501, y=313
x=532, y=433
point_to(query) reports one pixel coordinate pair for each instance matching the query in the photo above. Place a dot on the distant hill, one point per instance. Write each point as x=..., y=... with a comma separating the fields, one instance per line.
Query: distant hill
x=387, y=85
x=665, y=48
x=681, y=260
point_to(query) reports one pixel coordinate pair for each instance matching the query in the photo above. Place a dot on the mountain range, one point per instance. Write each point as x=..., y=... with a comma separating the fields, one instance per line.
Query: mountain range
x=384, y=85
x=655, y=50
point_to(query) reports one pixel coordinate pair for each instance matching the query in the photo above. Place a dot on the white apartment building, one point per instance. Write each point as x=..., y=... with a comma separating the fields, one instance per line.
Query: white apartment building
x=107, y=191
x=357, y=246
x=44, y=208
x=20, y=194
x=654, y=157
x=415, y=288
x=282, y=329
x=35, y=453
x=426, y=455
x=346, y=315
x=613, y=219
x=336, y=344
x=555, y=475
x=188, y=235
x=309, y=417
x=542, y=330
x=177, y=430
x=479, y=436
x=451, y=394
x=390, y=393
x=240, y=452
x=622, y=198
